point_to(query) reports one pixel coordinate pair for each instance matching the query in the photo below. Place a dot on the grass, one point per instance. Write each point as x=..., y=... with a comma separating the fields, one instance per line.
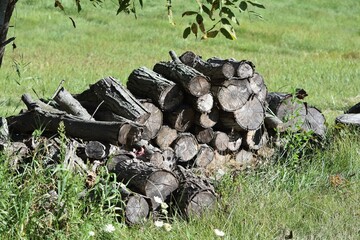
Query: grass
x=313, y=45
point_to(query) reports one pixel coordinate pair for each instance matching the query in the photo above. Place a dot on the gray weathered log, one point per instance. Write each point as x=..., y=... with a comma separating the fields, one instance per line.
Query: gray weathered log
x=70, y=105
x=232, y=94
x=166, y=136
x=119, y=100
x=203, y=135
x=248, y=117
x=185, y=147
x=258, y=87
x=207, y=120
x=215, y=71
x=315, y=121
x=154, y=122
x=235, y=141
x=181, y=119
x=348, y=119
x=202, y=104
x=195, y=195
x=190, y=79
x=243, y=69
x=255, y=139
x=146, y=83
x=220, y=141
x=143, y=177
x=204, y=156
x=96, y=150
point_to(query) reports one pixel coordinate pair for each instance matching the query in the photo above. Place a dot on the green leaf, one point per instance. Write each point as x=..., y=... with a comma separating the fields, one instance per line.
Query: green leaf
x=208, y=12
x=189, y=13
x=228, y=32
x=199, y=19
x=186, y=32
x=243, y=6
x=229, y=14
x=225, y=21
x=255, y=4
x=194, y=29
x=212, y=34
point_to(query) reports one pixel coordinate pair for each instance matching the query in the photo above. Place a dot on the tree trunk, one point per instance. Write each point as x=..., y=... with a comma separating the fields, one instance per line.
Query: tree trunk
x=143, y=177
x=146, y=83
x=190, y=79
x=215, y=71
x=119, y=100
x=6, y=11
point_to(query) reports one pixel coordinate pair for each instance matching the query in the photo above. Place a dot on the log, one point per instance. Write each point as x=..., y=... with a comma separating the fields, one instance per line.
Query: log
x=143, y=177
x=4, y=132
x=195, y=195
x=112, y=132
x=256, y=139
x=70, y=105
x=220, y=141
x=348, y=119
x=232, y=94
x=203, y=135
x=246, y=159
x=136, y=208
x=205, y=156
x=190, y=79
x=354, y=109
x=153, y=123
x=215, y=71
x=96, y=150
x=207, y=120
x=185, y=147
x=258, y=87
x=181, y=119
x=235, y=141
x=243, y=69
x=202, y=104
x=146, y=83
x=248, y=117
x=315, y=121
x=166, y=136
x=119, y=100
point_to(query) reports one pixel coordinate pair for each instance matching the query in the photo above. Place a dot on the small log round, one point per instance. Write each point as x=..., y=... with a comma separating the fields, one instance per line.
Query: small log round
x=96, y=150
x=205, y=156
x=256, y=139
x=185, y=147
x=166, y=136
x=202, y=104
x=235, y=141
x=137, y=209
x=207, y=120
x=203, y=135
x=258, y=87
x=220, y=141
x=181, y=119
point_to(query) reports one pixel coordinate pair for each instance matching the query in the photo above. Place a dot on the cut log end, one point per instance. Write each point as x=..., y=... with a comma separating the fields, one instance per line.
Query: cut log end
x=199, y=86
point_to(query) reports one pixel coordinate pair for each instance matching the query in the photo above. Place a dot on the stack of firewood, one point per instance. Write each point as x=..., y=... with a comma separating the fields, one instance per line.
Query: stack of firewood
x=182, y=115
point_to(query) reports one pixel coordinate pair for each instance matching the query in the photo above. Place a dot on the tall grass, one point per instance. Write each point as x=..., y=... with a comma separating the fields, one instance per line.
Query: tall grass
x=313, y=45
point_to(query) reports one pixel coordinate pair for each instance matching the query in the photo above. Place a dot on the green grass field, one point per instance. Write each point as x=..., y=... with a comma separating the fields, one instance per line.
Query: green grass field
x=313, y=45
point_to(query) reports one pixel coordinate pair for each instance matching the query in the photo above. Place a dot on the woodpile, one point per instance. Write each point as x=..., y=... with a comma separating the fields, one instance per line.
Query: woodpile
x=167, y=133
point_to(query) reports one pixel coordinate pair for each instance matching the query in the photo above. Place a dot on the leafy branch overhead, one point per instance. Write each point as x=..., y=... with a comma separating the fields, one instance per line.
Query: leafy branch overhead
x=210, y=18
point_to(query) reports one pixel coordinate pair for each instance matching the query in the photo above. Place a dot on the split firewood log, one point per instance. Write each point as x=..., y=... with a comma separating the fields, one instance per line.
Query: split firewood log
x=143, y=177
x=215, y=71
x=146, y=83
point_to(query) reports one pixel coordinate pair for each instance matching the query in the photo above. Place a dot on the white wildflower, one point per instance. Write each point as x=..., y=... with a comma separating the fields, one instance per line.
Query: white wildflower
x=167, y=227
x=164, y=205
x=158, y=199
x=159, y=223
x=219, y=233
x=164, y=211
x=109, y=228
x=91, y=233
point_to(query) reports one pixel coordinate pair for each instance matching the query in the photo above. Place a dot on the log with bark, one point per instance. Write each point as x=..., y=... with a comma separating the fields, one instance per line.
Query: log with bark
x=166, y=136
x=243, y=69
x=185, y=147
x=143, y=177
x=192, y=81
x=146, y=83
x=202, y=104
x=215, y=71
x=119, y=100
x=182, y=118
x=37, y=118
x=195, y=195
x=153, y=124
